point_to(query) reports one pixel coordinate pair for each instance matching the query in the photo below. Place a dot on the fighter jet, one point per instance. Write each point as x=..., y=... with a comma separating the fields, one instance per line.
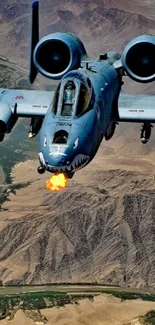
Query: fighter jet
x=87, y=103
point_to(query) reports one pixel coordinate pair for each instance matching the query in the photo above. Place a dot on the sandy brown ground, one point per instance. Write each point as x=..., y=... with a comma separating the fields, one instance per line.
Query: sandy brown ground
x=104, y=310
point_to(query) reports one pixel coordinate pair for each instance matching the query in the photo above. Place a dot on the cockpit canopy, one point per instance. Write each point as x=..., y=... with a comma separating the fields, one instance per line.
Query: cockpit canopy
x=68, y=99
x=73, y=96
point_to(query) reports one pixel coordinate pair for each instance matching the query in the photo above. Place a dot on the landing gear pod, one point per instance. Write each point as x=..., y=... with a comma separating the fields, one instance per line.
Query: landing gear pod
x=57, y=54
x=35, y=126
x=145, y=132
x=138, y=59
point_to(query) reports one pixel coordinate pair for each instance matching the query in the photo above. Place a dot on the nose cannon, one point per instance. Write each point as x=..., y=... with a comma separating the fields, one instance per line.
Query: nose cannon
x=41, y=169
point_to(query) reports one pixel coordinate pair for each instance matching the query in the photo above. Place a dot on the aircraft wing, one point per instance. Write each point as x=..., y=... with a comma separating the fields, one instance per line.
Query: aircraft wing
x=136, y=108
x=25, y=103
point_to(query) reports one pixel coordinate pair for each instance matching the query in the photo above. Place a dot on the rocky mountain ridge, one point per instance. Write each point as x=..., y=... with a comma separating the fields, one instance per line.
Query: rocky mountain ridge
x=102, y=25
x=99, y=230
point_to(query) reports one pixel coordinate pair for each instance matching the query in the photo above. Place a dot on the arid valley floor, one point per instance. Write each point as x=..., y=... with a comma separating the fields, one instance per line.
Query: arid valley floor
x=104, y=309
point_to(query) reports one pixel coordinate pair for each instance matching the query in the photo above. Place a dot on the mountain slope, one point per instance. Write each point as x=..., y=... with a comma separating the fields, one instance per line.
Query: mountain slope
x=102, y=25
x=101, y=228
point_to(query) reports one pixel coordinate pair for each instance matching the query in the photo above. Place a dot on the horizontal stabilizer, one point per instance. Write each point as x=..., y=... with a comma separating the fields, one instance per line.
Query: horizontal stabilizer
x=34, y=39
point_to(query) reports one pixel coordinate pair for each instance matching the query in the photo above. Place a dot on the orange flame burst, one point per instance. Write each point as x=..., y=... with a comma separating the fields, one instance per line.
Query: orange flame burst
x=56, y=182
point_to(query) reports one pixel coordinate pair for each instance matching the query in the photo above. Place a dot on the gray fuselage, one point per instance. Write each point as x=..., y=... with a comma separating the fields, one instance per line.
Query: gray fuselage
x=75, y=123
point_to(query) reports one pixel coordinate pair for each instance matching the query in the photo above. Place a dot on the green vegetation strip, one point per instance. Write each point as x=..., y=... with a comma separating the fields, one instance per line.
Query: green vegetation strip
x=47, y=293
x=149, y=318
x=45, y=299
x=37, y=300
x=123, y=295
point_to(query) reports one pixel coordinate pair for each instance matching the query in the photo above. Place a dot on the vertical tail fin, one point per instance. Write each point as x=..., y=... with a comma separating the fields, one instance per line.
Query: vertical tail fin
x=34, y=39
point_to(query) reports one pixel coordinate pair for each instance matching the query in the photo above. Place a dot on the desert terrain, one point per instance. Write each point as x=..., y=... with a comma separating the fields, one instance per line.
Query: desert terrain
x=113, y=233
x=104, y=309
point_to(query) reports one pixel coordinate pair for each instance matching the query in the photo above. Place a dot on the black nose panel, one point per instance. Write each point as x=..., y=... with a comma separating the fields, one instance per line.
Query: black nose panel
x=60, y=137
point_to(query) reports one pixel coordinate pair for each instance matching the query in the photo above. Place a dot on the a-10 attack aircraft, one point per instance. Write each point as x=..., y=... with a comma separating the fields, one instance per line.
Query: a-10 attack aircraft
x=88, y=101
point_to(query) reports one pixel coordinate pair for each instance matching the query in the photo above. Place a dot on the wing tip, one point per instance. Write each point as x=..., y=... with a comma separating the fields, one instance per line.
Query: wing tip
x=35, y=3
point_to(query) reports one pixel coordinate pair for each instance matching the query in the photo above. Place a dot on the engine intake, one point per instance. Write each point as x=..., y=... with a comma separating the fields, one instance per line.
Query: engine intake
x=5, y=119
x=2, y=130
x=138, y=59
x=57, y=54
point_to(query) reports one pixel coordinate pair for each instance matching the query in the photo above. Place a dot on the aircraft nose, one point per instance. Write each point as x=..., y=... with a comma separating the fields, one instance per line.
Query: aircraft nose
x=67, y=153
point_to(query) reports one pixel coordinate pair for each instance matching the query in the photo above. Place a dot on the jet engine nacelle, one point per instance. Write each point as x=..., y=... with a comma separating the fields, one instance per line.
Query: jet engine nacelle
x=138, y=58
x=57, y=54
